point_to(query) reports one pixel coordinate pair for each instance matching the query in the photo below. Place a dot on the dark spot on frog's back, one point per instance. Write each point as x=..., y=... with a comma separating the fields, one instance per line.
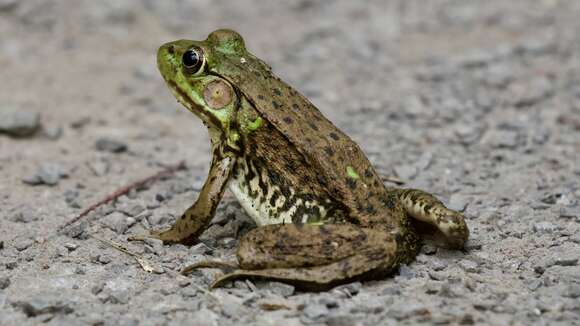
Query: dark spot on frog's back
x=288, y=120
x=261, y=97
x=277, y=91
x=276, y=105
x=313, y=126
x=333, y=135
x=351, y=183
x=328, y=151
x=368, y=173
x=295, y=106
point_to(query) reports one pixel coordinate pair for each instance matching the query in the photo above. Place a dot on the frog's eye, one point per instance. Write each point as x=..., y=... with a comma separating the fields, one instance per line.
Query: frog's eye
x=193, y=60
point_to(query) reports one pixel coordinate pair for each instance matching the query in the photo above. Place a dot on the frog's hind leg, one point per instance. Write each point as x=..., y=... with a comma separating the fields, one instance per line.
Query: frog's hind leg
x=314, y=255
x=424, y=207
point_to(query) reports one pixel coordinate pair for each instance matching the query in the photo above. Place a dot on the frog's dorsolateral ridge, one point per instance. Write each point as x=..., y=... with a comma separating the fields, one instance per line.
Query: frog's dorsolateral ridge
x=324, y=216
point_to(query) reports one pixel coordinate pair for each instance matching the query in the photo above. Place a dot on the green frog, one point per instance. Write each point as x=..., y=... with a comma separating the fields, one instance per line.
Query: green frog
x=323, y=214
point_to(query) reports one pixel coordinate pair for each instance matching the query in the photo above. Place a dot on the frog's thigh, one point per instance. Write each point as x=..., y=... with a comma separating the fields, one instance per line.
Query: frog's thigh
x=316, y=254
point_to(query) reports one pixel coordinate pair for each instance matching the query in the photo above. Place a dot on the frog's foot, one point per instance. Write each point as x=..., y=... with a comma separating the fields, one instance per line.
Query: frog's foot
x=425, y=207
x=226, y=267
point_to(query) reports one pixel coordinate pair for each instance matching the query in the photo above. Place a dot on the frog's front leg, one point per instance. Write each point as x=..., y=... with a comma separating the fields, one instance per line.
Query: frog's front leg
x=313, y=256
x=196, y=218
x=425, y=207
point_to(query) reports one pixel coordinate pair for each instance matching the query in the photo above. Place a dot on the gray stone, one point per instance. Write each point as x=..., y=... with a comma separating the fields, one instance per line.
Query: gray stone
x=19, y=123
x=4, y=282
x=110, y=145
x=48, y=174
x=531, y=92
x=70, y=197
x=71, y=246
x=44, y=305
x=23, y=244
x=159, y=218
x=24, y=214
x=406, y=272
x=131, y=208
x=76, y=231
x=104, y=259
x=281, y=289
x=116, y=221
x=406, y=311
x=509, y=139
x=98, y=287
x=545, y=228
x=569, y=212
x=350, y=289
x=315, y=311
x=118, y=297
x=53, y=132
x=567, y=261
x=534, y=284
x=469, y=266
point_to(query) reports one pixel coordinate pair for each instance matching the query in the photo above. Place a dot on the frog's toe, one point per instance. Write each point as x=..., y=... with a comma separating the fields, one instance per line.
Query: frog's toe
x=227, y=267
x=452, y=224
x=167, y=236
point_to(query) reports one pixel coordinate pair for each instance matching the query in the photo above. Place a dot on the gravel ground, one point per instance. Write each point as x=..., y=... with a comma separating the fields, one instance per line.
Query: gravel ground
x=476, y=101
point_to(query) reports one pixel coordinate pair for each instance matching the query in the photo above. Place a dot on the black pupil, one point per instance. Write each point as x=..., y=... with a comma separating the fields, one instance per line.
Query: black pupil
x=191, y=59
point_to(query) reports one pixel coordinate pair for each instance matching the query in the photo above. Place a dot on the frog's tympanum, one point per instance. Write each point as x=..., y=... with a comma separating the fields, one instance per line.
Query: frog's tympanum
x=322, y=212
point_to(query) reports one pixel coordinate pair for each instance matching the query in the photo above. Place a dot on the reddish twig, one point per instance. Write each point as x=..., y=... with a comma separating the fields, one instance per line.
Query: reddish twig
x=124, y=190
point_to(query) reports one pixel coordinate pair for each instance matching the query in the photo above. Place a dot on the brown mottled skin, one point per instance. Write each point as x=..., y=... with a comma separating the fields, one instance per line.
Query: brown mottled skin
x=324, y=216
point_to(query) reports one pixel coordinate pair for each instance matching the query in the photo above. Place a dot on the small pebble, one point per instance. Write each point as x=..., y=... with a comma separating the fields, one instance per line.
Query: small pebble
x=281, y=289
x=4, y=282
x=19, y=123
x=110, y=145
x=544, y=228
x=406, y=272
x=47, y=174
x=98, y=288
x=52, y=133
x=469, y=266
x=315, y=311
x=104, y=259
x=23, y=244
x=24, y=215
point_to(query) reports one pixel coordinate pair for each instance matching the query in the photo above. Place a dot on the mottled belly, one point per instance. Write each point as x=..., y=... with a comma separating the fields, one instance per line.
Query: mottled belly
x=268, y=200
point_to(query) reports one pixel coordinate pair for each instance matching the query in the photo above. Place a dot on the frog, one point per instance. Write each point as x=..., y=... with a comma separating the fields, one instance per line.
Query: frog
x=322, y=212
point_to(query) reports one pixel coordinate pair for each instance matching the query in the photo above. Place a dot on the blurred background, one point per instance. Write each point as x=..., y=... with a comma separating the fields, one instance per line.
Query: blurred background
x=476, y=101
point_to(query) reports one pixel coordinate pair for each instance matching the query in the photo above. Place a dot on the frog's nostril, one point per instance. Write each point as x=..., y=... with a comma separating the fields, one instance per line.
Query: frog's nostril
x=171, y=49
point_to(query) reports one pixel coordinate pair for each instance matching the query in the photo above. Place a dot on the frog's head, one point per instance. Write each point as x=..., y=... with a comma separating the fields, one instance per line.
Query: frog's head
x=190, y=69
